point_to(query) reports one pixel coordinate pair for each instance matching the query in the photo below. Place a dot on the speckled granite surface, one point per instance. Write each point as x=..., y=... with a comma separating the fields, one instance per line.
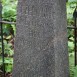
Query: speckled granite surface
x=41, y=39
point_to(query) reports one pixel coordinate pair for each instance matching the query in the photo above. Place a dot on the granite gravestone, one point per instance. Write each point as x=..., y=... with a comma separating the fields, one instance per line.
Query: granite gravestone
x=41, y=39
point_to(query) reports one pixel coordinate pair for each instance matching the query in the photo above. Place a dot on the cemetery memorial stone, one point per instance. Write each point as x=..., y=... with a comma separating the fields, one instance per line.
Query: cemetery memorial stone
x=41, y=39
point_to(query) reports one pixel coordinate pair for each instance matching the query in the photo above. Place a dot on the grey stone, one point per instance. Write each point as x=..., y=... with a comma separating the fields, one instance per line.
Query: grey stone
x=41, y=39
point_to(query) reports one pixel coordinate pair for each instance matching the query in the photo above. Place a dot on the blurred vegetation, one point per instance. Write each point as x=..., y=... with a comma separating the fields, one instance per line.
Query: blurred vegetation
x=71, y=5
x=9, y=31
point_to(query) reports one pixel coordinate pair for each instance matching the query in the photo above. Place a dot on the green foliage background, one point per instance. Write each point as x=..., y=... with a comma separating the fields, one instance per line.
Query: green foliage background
x=9, y=14
x=71, y=5
x=9, y=31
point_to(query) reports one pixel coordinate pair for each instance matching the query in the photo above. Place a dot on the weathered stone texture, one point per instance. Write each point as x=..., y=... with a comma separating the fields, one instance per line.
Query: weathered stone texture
x=41, y=39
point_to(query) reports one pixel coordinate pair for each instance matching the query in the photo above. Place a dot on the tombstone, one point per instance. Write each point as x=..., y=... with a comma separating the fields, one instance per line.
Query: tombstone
x=41, y=39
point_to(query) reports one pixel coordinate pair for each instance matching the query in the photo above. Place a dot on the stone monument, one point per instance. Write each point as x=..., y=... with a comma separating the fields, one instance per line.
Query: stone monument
x=41, y=39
